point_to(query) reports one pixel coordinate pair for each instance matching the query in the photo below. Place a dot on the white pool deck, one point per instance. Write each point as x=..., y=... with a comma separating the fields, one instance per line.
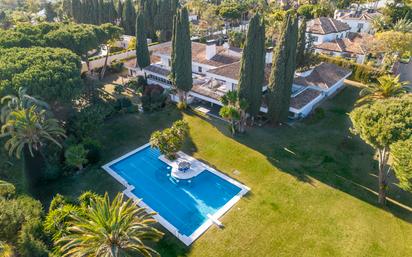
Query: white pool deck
x=196, y=167
x=187, y=240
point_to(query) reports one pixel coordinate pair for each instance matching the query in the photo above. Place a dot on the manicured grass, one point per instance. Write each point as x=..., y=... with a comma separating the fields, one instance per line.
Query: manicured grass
x=311, y=186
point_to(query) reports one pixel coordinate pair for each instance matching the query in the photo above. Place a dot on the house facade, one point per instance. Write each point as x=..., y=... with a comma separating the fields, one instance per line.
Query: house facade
x=216, y=69
x=325, y=29
x=360, y=21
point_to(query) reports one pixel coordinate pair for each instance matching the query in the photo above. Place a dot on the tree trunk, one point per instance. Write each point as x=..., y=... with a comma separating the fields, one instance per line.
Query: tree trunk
x=382, y=176
x=34, y=167
x=105, y=62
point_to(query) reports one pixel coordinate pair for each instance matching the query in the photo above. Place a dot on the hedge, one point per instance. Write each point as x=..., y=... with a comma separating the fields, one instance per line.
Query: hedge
x=360, y=72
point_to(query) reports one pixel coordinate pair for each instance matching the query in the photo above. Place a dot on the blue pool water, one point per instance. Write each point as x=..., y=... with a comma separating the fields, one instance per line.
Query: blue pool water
x=184, y=205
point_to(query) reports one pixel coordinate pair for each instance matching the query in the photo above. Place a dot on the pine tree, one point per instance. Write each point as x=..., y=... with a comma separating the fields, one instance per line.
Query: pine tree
x=129, y=17
x=181, y=72
x=252, y=70
x=142, y=50
x=300, y=55
x=278, y=75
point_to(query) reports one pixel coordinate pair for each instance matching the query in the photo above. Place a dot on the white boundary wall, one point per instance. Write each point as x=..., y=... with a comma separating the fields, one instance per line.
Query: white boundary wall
x=187, y=240
x=98, y=63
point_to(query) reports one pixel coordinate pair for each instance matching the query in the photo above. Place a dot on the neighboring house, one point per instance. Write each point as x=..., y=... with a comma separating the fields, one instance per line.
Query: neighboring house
x=355, y=46
x=216, y=72
x=311, y=87
x=325, y=29
x=358, y=20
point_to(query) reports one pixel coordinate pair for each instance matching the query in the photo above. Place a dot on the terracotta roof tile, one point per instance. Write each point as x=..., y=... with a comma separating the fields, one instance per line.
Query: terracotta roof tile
x=304, y=98
x=232, y=71
x=325, y=25
x=199, y=54
x=324, y=76
x=356, y=43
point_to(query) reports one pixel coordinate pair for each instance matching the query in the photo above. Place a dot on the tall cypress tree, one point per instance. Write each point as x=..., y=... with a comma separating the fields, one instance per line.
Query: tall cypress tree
x=76, y=10
x=149, y=8
x=119, y=11
x=142, y=50
x=300, y=55
x=129, y=17
x=181, y=72
x=252, y=70
x=277, y=77
x=292, y=40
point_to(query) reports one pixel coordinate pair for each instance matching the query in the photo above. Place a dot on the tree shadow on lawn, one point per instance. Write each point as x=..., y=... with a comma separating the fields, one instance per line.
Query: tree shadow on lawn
x=324, y=149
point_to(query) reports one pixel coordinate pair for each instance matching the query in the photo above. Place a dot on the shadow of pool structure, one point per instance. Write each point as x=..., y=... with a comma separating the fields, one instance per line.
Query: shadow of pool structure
x=185, y=207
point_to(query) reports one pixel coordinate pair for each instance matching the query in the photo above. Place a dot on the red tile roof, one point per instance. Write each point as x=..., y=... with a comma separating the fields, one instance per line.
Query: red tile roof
x=325, y=25
x=324, y=76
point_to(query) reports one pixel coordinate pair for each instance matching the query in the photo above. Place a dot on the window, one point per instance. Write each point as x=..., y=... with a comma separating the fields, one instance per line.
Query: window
x=314, y=38
x=199, y=69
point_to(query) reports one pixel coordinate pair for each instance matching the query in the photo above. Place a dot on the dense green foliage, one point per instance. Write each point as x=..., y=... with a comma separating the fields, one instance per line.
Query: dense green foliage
x=360, y=72
x=252, y=67
x=49, y=73
x=20, y=225
x=181, y=70
x=170, y=140
x=76, y=156
x=142, y=50
x=402, y=163
x=283, y=70
x=380, y=125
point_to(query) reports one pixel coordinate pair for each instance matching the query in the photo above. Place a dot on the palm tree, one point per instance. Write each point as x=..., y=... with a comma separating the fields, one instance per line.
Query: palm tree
x=28, y=129
x=110, y=229
x=234, y=109
x=387, y=86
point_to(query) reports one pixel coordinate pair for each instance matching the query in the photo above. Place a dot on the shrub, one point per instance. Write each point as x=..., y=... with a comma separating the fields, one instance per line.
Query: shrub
x=89, y=119
x=119, y=89
x=306, y=10
x=7, y=190
x=360, y=72
x=93, y=148
x=76, y=156
x=116, y=66
x=124, y=105
x=154, y=98
x=30, y=242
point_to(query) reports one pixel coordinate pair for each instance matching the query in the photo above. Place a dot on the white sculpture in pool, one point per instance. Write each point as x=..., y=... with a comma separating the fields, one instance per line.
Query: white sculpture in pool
x=184, y=166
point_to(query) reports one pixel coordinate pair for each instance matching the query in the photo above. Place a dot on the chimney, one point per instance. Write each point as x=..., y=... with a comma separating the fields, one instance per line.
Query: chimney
x=269, y=55
x=210, y=49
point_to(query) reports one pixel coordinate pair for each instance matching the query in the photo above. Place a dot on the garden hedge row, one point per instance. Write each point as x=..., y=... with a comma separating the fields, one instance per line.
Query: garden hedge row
x=360, y=72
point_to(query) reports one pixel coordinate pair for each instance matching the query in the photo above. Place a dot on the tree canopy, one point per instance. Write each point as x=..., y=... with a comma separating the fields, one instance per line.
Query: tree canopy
x=52, y=74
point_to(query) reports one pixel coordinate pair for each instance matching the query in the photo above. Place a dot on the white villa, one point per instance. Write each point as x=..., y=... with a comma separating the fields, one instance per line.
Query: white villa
x=216, y=71
x=359, y=20
x=336, y=38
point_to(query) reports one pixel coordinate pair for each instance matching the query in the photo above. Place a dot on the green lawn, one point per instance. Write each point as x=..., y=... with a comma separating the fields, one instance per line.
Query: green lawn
x=312, y=186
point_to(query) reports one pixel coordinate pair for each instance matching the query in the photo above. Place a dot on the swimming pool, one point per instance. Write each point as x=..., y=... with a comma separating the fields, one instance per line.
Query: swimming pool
x=185, y=207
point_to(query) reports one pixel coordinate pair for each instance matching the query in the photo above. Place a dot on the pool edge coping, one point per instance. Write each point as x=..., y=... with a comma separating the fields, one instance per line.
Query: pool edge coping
x=187, y=240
